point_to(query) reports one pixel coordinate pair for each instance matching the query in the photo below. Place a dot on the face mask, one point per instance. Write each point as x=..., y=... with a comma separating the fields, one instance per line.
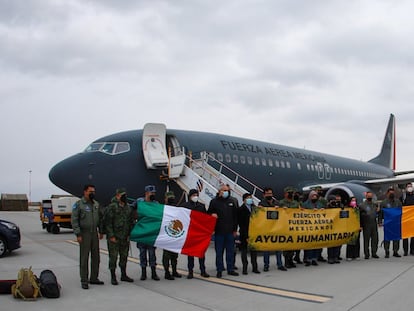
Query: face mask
x=290, y=195
x=123, y=198
x=392, y=196
x=410, y=189
x=194, y=198
x=91, y=196
x=352, y=204
x=249, y=201
x=296, y=197
x=369, y=199
x=152, y=197
x=314, y=200
x=269, y=197
x=171, y=201
x=225, y=194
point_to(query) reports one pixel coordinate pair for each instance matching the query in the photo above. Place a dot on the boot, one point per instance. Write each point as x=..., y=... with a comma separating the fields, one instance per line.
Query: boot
x=113, y=277
x=190, y=274
x=144, y=273
x=175, y=273
x=125, y=277
x=244, y=269
x=168, y=275
x=154, y=275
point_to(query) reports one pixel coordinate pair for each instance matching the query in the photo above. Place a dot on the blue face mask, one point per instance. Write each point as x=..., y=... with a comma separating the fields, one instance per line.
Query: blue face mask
x=225, y=194
x=249, y=201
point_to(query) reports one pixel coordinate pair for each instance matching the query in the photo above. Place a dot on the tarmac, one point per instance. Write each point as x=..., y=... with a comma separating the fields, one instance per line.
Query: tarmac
x=373, y=284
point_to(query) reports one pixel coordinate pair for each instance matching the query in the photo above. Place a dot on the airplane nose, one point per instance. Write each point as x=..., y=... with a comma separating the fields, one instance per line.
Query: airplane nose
x=69, y=175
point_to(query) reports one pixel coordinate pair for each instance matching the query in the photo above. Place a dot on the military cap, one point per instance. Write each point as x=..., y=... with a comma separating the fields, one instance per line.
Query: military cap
x=150, y=188
x=289, y=189
x=120, y=191
x=192, y=191
x=169, y=194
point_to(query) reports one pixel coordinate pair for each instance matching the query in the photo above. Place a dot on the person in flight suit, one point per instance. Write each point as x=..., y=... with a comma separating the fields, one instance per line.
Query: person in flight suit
x=86, y=224
x=169, y=256
x=118, y=225
x=368, y=212
x=408, y=199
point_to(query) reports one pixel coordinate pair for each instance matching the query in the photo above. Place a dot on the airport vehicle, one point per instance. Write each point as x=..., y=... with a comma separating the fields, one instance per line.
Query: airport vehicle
x=55, y=213
x=179, y=160
x=9, y=237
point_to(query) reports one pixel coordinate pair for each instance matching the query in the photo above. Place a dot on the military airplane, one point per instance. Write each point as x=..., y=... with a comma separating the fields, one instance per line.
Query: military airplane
x=136, y=158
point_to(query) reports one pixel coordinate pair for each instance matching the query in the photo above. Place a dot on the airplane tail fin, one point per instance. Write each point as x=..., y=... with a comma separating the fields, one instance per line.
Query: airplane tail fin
x=387, y=155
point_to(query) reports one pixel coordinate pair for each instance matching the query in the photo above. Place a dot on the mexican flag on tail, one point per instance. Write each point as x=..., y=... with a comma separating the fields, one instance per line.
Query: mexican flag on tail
x=176, y=229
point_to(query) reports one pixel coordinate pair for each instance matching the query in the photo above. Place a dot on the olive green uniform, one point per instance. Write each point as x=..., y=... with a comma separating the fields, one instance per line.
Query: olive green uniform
x=86, y=222
x=119, y=222
x=289, y=254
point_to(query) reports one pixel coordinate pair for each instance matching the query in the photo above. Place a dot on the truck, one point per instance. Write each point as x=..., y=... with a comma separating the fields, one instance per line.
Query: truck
x=56, y=213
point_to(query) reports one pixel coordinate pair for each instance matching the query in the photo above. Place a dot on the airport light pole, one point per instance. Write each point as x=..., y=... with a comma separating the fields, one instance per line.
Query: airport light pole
x=30, y=186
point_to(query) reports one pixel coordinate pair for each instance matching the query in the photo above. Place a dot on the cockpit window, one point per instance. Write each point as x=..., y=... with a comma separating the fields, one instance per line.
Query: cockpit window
x=111, y=148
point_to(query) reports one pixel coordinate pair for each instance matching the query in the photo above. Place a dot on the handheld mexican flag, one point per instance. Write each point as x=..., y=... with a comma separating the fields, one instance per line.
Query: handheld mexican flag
x=176, y=229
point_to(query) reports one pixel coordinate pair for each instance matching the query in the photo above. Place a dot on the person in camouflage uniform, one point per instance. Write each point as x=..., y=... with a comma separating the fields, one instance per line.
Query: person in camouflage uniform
x=119, y=222
x=289, y=202
x=86, y=222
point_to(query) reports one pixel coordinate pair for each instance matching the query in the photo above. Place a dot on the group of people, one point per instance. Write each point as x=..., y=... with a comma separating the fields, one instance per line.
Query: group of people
x=116, y=222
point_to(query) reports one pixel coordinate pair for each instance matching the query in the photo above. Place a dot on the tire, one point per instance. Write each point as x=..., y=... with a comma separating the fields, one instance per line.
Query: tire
x=3, y=246
x=55, y=229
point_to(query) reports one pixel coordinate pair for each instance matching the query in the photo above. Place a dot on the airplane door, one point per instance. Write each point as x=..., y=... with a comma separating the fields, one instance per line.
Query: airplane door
x=153, y=146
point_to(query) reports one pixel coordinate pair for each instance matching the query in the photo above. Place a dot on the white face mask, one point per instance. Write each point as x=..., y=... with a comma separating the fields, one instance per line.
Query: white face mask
x=410, y=189
x=194, y=198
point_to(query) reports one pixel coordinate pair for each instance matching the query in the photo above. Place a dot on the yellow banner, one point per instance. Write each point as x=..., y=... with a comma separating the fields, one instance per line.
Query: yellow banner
x=283, y=229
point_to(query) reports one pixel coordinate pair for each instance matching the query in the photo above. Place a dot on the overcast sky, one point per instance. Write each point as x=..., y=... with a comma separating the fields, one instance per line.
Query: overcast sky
x=324, y=75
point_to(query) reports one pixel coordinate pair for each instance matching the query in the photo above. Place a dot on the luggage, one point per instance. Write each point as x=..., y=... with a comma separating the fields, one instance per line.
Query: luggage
x=49, y=286
x=6, y=285
x=26, y=286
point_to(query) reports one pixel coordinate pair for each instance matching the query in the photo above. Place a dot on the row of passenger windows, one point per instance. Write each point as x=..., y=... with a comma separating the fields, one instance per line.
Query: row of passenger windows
x=228, y=158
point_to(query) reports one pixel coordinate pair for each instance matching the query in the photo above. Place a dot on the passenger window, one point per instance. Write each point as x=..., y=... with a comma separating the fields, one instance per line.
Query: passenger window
x=242, y=159
x=299, y=166
x=282, y=164
x=270, y=162
x=277, y=163
x=235, y=158
x=220, y=157
x=250, y=160
x=228, y=158
x=257, y=161
x=264, y=162
x=288, y=164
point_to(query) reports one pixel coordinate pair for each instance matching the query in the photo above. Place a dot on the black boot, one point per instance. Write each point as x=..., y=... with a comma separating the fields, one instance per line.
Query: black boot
x=168, y=275
x=154, y=275
x=190, y=274
x=125, y=277
x=174, y=272
x=113, y=277
x=144, y=273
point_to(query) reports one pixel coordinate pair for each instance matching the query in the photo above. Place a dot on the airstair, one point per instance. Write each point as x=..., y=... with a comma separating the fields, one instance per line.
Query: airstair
x=207, y=174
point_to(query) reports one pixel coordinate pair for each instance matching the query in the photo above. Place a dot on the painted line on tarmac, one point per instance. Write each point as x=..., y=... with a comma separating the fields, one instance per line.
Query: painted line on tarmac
x=243, y=285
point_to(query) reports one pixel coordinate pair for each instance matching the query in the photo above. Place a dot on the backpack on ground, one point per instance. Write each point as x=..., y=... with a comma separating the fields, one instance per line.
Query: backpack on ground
x=6, y=285
x=49, y=286
x=26, y=286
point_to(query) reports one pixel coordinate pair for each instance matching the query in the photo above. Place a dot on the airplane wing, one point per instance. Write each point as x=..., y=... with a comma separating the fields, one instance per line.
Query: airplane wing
x=398, y=179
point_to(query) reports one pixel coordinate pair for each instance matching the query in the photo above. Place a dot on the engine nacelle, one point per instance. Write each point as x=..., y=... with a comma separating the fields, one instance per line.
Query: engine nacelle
x=348, y=190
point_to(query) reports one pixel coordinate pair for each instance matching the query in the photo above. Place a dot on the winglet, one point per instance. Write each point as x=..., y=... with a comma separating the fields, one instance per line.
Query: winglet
x=387, y=155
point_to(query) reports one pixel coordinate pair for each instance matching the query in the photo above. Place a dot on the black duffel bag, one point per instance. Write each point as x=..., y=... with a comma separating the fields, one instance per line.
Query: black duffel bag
x=49, y=286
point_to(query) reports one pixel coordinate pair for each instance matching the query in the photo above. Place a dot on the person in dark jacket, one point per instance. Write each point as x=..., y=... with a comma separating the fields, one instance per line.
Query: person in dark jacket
x=225, y=209
x=195, y=205
x=353, y=247
x=243, y=219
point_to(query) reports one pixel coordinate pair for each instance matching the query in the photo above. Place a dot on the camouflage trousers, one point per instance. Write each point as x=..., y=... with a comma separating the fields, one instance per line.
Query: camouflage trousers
x=121, y=248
